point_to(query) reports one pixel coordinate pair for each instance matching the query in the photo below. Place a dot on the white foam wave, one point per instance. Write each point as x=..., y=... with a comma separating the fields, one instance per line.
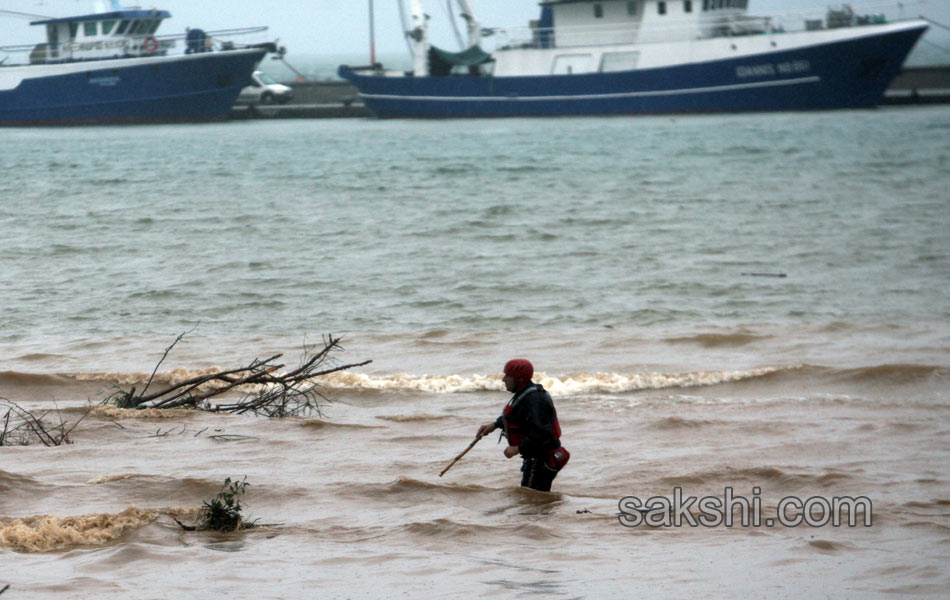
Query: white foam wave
x=564, y=385
x=170, y=377
x=45, y=533
x=567, y=385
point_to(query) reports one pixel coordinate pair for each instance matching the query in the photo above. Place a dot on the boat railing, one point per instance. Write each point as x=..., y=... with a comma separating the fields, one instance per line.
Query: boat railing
x=133, y=46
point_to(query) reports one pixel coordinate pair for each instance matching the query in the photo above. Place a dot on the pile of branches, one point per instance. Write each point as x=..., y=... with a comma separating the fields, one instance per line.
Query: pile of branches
x=21, y=427
x=266, y=389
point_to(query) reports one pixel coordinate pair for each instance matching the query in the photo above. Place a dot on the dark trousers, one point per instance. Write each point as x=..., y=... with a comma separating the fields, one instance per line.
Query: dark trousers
x=536, y=475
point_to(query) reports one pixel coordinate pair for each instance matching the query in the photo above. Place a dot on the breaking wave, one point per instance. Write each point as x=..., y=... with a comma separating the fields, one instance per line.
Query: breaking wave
x=581, y=383
x=560, y=385
x=570, y=384
x=114, y=412
x=171, y=377
x=45, y=533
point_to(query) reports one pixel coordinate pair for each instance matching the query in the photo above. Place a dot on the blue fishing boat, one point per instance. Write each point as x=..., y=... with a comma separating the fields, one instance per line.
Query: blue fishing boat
x=584, y=57
x=113, y=67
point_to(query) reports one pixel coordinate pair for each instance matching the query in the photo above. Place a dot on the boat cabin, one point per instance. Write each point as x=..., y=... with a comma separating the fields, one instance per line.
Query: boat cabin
x=117, y=34
x=566, y=23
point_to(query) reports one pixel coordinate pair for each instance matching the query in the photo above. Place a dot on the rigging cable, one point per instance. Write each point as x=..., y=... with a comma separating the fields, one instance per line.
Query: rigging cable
x=14, y=13
x=935, y=45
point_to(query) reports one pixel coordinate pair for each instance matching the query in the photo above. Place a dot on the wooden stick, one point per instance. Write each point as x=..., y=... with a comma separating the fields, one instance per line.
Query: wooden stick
x=456, y=459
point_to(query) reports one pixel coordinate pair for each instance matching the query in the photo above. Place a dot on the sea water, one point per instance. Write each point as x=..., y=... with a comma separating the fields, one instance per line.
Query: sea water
x=739, y=301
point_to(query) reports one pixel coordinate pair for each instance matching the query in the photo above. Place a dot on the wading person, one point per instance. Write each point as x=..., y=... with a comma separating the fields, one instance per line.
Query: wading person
x=529, y=422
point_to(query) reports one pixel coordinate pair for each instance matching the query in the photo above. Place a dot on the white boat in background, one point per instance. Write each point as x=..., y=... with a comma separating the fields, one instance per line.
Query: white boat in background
x=113, y=67
x=591, y=57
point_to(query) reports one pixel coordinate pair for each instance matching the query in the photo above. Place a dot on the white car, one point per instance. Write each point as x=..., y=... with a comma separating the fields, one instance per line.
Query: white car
x=265, y=90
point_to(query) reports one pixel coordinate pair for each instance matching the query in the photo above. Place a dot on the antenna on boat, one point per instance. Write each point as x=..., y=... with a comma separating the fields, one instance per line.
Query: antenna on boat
x=372, y=34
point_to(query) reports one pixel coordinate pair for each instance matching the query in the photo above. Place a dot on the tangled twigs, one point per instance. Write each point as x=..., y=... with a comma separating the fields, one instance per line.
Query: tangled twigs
x=267, y=390
x=21, y=427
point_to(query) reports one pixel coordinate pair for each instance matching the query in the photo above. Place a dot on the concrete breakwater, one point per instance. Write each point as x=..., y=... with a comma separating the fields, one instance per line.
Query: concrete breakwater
x=339, y=99
x=312, y=100
x=920, y=85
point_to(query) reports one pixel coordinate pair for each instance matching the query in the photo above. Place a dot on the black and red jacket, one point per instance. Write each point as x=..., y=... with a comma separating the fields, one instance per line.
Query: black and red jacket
x=529, y=421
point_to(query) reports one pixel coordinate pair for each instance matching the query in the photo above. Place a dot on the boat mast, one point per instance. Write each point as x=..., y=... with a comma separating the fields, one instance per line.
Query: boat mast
x=419, y=39
x=474, y=27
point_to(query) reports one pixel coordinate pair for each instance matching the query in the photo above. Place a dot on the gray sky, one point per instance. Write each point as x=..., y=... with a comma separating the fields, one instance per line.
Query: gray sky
x=338, y=27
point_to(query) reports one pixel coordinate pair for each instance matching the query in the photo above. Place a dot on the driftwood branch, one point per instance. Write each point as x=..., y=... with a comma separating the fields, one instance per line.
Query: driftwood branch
x=164, y=356
x=21, y=427
x=267, y=389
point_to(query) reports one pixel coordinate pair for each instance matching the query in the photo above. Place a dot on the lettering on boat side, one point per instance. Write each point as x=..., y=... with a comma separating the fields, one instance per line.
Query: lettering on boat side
x=97, y=45
x=105, y=81
x=770, y=69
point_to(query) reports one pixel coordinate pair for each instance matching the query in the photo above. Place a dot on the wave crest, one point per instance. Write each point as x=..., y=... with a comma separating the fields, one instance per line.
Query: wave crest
x=45, y=533
x=170, y=378
x=568, y=385
x=564, y=385
x=114, y=412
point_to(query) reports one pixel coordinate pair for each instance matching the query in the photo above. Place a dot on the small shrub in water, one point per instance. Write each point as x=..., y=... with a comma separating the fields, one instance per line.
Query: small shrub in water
x=223, y=512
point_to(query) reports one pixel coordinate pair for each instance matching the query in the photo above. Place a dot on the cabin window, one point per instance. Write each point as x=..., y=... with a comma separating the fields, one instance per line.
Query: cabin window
x=89, y=29
x=631, y=8
x=687, y=6
x=567, y=64
x=154, y=26
x=598, y=11
x=73, y=28
x=619, y=61
x=107, y=27
x=123, y=25
x=661, y=8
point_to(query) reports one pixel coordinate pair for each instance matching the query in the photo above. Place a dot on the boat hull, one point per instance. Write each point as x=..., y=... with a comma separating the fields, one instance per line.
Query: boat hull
x=196, y=87
x=852, y=73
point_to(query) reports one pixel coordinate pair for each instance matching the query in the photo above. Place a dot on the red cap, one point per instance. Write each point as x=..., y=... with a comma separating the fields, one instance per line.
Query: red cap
x=519, y=368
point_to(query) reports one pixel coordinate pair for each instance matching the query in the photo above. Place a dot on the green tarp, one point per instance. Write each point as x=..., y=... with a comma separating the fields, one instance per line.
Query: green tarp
x=467, y=58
